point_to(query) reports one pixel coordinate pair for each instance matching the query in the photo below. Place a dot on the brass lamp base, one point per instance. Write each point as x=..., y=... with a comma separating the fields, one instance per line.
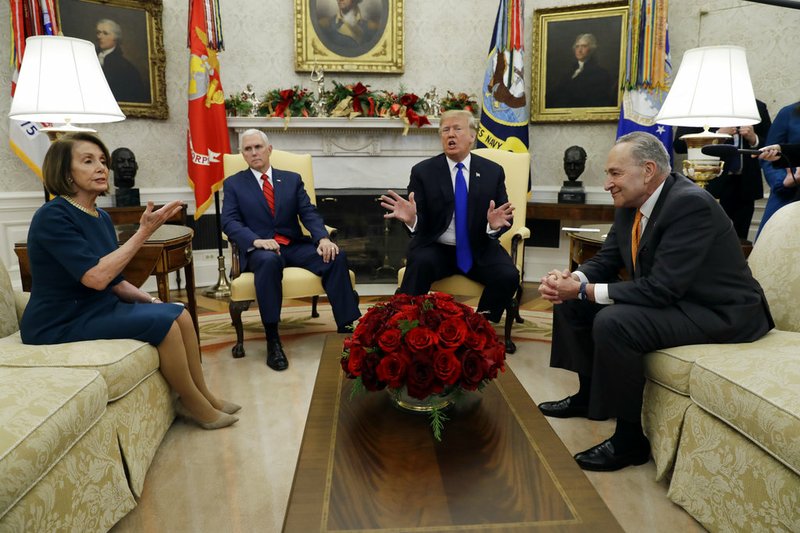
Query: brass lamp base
x=699, y=167
x=701, y=172
x=223, y=288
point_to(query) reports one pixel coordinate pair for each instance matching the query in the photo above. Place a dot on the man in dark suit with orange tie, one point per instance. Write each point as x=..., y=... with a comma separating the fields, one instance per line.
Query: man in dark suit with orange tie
x=260, y=214
x=456, y=210
x=690, y=284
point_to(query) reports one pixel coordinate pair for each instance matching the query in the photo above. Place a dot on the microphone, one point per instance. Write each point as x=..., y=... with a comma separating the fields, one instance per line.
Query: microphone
x=724, y=151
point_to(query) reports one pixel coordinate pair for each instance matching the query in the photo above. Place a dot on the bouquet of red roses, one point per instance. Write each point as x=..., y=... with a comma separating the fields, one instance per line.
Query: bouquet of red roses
x=429, y=344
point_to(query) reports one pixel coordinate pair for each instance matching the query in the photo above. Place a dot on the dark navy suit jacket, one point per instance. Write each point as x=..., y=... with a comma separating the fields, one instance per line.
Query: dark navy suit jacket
x=432, y=186
x=246, y=216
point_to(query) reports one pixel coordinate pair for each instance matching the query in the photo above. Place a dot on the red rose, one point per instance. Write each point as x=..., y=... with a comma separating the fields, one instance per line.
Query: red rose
x=355, y=359
x=446, y=367
x=495, y=357
x=420, y=378
x=420, y=339
x=473, y=370
x=369, y=372
x=452, y=333
x=390, y=339
x=409, y=99
x=392, y=370
x=431, y=319
x=474, y=341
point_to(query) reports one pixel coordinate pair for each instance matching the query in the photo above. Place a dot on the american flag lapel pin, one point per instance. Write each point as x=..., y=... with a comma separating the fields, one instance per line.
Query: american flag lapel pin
x=477, y=174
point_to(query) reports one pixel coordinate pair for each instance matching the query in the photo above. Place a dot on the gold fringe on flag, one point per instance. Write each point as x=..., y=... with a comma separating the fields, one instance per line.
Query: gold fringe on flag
x=647, y=45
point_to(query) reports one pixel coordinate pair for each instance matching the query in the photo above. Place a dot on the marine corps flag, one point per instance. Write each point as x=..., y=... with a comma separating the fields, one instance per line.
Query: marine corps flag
x=207, y=138
x=504, y=111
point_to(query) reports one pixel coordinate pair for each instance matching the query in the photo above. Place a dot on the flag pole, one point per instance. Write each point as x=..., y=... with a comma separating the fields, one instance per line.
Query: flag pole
x=222, y=289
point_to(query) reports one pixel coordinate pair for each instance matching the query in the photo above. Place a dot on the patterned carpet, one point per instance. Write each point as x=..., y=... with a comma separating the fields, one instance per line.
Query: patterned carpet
x=216, y=328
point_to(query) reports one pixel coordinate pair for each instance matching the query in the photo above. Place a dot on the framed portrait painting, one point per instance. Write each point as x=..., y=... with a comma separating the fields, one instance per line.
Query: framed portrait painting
x=128, y=37
x=349, y=35
x=579, y=62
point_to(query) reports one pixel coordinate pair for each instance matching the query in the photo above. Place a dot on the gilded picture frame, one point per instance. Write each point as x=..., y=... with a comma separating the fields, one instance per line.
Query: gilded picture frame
x=579, y=62
x=130, y=33
x=368, y=37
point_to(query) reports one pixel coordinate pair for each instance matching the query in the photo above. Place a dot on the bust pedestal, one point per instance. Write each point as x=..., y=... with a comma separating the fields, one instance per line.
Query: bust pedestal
x=125, y=197
x=572, y=192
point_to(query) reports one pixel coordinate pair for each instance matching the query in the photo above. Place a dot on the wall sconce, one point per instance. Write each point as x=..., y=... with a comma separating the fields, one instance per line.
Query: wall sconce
x=712, y=89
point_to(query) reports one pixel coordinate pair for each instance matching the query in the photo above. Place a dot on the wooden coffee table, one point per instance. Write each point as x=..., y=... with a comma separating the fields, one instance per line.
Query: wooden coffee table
x=366, y=466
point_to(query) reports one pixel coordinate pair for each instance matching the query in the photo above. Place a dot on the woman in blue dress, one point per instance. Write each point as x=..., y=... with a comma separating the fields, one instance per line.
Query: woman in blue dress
x=785, y=129
x=78, y=292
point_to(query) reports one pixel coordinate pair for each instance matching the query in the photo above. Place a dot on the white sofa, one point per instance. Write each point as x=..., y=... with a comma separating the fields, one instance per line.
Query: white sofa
x=79, y=426
x=724, y=419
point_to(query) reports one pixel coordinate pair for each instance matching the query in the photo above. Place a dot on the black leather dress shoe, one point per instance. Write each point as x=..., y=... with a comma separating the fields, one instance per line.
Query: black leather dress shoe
x=566, y=408
x=603, y=457
x=276, y=359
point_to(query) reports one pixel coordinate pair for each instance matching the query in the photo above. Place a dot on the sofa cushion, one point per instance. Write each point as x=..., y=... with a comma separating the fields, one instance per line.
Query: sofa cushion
x=43, y=413
x=123, y=363
x=756, y=390
x=670, y=367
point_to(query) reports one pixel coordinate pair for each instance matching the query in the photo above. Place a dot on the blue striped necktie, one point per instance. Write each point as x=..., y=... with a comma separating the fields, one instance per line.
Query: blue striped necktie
x=463, y=251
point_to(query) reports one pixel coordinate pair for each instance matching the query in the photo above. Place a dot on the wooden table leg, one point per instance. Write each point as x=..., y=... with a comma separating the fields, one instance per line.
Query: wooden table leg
x=163, y=286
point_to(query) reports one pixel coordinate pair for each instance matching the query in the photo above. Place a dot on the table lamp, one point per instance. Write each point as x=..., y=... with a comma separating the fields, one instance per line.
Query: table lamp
x=712, y=89
x=61, y=82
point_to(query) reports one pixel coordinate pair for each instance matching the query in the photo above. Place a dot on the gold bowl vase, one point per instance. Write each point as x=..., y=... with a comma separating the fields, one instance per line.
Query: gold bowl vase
x=403, y=401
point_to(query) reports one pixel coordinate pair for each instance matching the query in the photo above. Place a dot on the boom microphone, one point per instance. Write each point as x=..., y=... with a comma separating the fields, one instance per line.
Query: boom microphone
x=726, y=150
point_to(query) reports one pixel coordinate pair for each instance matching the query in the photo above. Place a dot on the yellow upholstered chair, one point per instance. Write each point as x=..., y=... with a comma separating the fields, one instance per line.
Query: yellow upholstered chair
x=517, y=170
x=297, y=282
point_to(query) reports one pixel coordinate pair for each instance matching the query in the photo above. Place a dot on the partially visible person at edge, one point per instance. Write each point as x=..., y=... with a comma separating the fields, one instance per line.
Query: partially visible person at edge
x=690, y=284
x=782, y=181
x=741, y=182
x=781, y=155
x=78, y=292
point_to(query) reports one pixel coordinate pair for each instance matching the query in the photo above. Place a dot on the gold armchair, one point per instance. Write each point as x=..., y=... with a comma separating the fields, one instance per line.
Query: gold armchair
x=517, y=169
x=297, y=282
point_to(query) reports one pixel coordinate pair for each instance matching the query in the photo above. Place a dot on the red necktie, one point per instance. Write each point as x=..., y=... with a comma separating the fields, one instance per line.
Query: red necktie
x=269, y=195
x=635, y=236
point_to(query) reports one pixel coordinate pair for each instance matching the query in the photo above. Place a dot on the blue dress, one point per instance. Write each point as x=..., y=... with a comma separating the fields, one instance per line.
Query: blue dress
x=785, y=129
x=63, y=244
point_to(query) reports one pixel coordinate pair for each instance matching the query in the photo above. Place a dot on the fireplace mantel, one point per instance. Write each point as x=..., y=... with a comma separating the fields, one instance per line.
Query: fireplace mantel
x=357, y=153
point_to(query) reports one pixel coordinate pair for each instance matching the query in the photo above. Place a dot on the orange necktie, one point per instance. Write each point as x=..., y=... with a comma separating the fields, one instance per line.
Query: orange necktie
x=635, y=236
x=269, y=194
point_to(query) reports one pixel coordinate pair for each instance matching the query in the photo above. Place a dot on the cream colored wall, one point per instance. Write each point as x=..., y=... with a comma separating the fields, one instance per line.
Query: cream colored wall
x=440, y=50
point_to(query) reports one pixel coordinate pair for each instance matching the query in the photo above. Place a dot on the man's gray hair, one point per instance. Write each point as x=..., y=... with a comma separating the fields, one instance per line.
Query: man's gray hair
x=116, y=29
x=590, y=39
x=253, y=131
x=647, y=147
x=459, y=113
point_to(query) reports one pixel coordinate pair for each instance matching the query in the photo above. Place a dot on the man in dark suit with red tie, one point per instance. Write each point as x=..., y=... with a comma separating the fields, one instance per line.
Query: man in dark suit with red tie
x=456, y=210
x=260, y=214
x=690, y=284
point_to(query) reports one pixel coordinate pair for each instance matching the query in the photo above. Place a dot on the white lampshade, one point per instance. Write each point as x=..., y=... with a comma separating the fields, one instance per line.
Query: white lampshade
x=712, y=88
x=61, y=81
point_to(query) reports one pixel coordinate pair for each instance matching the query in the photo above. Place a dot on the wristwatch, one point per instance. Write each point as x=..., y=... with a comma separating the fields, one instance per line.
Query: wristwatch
x=582, y=292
